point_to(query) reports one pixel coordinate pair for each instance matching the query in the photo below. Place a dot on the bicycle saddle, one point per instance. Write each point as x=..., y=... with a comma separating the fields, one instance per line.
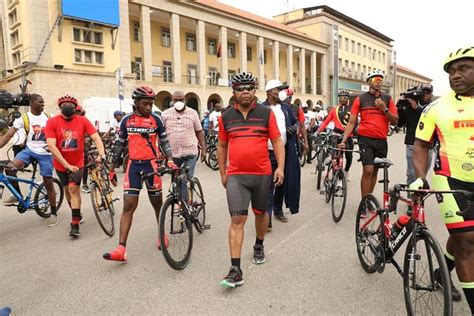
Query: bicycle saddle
x=382, y=162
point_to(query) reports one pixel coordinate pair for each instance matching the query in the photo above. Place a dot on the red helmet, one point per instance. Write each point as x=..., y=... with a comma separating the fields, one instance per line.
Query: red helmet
x=67, y=98
x=143, y=92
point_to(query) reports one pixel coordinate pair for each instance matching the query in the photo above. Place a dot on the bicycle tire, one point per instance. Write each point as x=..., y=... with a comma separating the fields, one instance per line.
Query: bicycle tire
x=338, y=212
x=362, y=236
x=430, y=287
x=103, y=209
x=319, y=168
x=208, y=151
x=213, y=163
x=313, y=150
x=170, y=214
x=41, y=202
x=328, y=182
x=198, y=204
x=302, y=158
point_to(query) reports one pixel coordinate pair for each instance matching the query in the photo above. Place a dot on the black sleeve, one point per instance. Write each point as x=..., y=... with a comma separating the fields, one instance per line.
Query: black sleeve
x=402, y=116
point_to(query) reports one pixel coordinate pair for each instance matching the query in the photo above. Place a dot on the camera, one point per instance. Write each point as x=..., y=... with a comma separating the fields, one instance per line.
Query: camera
x=10, y=101
x=415, y=93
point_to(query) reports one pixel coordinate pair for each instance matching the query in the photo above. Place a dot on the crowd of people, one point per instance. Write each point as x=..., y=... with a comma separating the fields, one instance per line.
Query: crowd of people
x=258, y=153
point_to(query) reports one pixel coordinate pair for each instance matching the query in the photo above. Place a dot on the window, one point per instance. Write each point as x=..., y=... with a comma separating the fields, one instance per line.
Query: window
x=231, y=50
x=12, y=17
x=76, y=35
x=370, y=52
x=364, y=70
x=167, y=71
x=77, y=55
x=98, y=38
x=136, y=32
x=340, y=65
x=165, y=37
x=380, y=56
x=87, y=36
x=351, y=71
x=88, y=57
x=16, y=58
x=347, y=44
x=339, y=41
x=190, y=42
x=15, y=38
x=264, y=56
x=212, y=46
x=365, y=51
x=249, y=53
x=383, y=58
x=353, y=47
x=137, y=68
x=212, y=76
x=192, y=74
x=231, y=74
x=359, y=51
x=99, y=58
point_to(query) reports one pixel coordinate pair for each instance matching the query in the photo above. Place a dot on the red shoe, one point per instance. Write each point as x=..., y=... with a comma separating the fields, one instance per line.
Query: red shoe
x=119, y=254
x=158, y=243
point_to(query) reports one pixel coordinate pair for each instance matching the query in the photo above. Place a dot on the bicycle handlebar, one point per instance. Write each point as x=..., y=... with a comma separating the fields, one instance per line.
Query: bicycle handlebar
x=404, y=188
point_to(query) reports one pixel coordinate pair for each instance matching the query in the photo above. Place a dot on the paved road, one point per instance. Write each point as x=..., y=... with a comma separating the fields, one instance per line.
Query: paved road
x=312, y=264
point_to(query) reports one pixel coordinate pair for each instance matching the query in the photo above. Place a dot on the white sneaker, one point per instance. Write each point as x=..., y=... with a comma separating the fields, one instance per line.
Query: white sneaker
x=11, y=200
x=53, y=220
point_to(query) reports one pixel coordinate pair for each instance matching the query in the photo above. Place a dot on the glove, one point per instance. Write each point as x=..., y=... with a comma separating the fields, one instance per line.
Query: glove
x=171, y=165
x=291, y=130
x=113, y=178
x=418, y=184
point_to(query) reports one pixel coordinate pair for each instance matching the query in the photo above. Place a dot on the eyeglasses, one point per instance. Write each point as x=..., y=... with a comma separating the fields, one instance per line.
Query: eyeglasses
x=244, y=88
x=376, y=79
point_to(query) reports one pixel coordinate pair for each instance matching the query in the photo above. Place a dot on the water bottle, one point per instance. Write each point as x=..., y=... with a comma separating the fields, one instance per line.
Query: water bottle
x=399, y=224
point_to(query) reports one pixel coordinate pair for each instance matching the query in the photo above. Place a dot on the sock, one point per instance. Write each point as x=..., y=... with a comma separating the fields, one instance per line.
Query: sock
x=235, y=262
x=76, y=215
x=54, y=211
x=258, y=241
x=468, y=288
x=124, y=244
x=449, y=261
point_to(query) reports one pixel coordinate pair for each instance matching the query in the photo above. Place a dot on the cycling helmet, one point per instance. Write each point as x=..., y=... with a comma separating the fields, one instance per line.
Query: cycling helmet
x=467, y=52
x=243, y=78
x=143, y=92
x=67, y=98
x=290, y=91
x=375, y=73
x=343, y=93
x=118, y=113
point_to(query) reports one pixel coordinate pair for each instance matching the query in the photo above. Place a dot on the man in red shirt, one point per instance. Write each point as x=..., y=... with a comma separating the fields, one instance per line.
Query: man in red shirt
x=65, y=135
x=376, y=110
x=244, y=131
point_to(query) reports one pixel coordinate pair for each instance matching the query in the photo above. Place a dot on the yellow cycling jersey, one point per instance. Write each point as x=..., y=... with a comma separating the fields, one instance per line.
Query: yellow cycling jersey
x=448, y=123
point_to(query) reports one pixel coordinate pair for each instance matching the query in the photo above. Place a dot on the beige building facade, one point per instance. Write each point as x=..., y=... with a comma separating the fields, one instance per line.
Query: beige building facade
x=407, y=78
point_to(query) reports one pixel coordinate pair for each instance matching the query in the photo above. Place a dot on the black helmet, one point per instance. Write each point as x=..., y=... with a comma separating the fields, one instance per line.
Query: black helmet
x=343, y=93
x=243, y=78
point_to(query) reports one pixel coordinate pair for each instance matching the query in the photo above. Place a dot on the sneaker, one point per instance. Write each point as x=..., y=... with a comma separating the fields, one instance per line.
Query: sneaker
x=281, y=217
x=11, y=200
x=85, y=188
x=119, y=254
x=233, y=278
x=258, y=255
x=74, y=232
x=269, y=228
x=454, y=291
x=53, y=220
x=158, y=243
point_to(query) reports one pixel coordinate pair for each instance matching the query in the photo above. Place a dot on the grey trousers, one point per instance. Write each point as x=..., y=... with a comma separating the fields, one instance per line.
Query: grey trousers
x=411, y=175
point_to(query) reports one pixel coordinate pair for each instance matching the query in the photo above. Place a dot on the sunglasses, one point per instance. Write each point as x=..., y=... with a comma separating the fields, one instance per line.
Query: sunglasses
x=376, y=79
x=244, y=88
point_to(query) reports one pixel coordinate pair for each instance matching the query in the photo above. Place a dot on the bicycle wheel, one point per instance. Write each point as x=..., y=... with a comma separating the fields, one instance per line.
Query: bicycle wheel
x=369, y=233
x=314, y=150
x=339, y=196
x=213, y=164
x=320, y=168
x=179, y=234
x=328, y=184
x=198, y=205
x=302, y=155
x=208, y=151
x=101, y=200
x=423, y=295
x=41, y=201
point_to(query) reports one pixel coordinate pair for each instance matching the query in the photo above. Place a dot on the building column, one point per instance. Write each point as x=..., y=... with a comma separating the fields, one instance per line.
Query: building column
x=175, y=47
x=223, y=61
x=243, y=51
x=261, y=64
x=276, y=60
x=302, y=70
x=289, y=65
x=201, y=52
x=146, y=42
x=325, y=79
x=124, y=38
x=313, y=73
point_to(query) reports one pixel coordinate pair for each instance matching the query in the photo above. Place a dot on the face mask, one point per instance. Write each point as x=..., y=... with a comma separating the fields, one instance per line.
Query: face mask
x=68, y=110
x=179, y=106
x=282, y=95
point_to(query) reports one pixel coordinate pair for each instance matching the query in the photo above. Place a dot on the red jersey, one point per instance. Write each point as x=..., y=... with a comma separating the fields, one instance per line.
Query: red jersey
x=69, y=137
x=340, y=116
x=373, y=122
x=248, y=139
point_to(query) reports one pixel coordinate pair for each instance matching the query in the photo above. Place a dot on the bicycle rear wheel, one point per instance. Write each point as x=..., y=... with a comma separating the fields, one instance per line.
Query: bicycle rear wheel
x=101, y=200
x=213, y=164
x=423, y=294
x=41, y=201
x=369, y=234
x=176, y=232
x=313, y=149
x=320, y=168
x=339, y=196
x=198, y=205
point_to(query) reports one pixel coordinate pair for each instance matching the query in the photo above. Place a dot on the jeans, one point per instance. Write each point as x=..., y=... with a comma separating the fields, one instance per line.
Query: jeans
x=411, y=175
x=275, y=198
x=191, y=162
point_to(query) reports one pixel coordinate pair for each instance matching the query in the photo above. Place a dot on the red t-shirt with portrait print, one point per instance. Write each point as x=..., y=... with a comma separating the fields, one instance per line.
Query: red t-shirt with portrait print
x=69, y=135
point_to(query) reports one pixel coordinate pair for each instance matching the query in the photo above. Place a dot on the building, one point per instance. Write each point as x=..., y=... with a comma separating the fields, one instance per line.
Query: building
x=407, y=78
x=194, y=46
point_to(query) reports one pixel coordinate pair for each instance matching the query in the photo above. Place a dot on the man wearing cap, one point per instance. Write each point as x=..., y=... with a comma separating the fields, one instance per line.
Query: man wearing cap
x=288, y=126
x=409, y=112
x=205, y=123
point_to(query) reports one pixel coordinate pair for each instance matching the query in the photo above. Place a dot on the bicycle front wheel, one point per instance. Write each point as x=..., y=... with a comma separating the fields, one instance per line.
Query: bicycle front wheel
x=320, y=168
x=339, y=196
x=104, y=211
x=213, y=164
x=41, y=201
x=198, y=205
x=426, y=280
x=176, y=233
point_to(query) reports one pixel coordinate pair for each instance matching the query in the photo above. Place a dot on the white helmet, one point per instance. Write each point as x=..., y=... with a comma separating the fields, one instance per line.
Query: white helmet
x=375, y=73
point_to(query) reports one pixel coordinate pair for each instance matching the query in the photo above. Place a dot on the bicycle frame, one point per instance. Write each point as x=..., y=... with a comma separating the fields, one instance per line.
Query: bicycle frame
x=25, y=203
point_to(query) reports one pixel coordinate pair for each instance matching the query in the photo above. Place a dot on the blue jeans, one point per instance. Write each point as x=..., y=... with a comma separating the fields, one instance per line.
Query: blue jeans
x=411, y=176
x=191, y=162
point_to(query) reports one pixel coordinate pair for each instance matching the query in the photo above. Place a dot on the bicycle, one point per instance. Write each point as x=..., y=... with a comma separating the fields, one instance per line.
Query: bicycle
x=301, y=152
x=101, y=193
x=377, y=243
x=211, y=151
x=322, y=153
x=40, y=201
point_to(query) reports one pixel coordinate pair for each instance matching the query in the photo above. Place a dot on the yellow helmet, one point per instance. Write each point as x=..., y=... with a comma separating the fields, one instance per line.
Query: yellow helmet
x=467, y=52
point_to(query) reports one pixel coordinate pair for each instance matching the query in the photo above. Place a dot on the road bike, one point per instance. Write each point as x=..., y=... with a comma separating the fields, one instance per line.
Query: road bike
x=211, y=151
x=38, y=201
x=426, y=279
x=322, y=154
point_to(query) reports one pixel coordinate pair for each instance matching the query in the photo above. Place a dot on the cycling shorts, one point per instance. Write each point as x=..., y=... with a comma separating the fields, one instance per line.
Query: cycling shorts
x=133, y=178
x=70, y=178
x=449, y=204
x=245, y=188
x=372, y=148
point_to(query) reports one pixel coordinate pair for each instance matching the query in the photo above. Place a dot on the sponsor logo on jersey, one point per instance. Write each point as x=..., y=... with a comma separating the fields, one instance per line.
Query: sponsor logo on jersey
x=464, y=124
x=449, y=214
x=467, y=166
x=421, y=126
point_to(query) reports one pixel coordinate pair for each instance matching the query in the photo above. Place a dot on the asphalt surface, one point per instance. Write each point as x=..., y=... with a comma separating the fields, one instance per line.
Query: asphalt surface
x=312, y=265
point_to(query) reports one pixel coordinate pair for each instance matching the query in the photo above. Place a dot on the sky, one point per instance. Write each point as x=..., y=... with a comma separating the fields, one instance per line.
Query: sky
x=424, y=32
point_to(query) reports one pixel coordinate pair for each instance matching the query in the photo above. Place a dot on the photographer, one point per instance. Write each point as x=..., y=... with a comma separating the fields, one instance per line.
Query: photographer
x=410, y=106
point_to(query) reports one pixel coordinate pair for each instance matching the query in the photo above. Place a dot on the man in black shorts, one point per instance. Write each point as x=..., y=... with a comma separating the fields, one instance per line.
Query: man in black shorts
x=244, y=131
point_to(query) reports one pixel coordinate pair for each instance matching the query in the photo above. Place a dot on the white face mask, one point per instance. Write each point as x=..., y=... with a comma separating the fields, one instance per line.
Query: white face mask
x=179, y=106
x=282, y=95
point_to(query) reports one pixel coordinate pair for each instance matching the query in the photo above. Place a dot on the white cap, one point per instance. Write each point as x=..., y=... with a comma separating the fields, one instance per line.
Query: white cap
x=305, y=105
x=275, y=84
x=317, y=106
